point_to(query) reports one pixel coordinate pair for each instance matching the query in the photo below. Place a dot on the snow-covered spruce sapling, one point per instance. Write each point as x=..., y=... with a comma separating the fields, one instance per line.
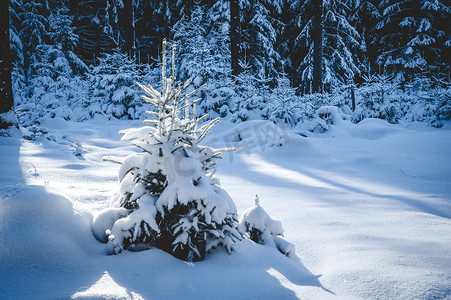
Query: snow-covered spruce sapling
x=262, y=229
x=78, y=149
x=172, y=200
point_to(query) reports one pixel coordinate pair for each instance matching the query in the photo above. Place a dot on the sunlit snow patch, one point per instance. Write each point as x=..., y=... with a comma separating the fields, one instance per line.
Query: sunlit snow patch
x=106, y=288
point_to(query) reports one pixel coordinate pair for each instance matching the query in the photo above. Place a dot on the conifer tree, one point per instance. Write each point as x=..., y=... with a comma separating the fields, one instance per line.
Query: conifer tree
x=260, y=29
x=171, y=197
x=414, y=37
x=154, y=21
x=205, y=55
x=317, y=36
x=128, y=16
x=34, y=32
x=112, y=84
x=96, y=22
x=17, y=54
x=364, y=19
x=235, y=36
x=65, y=39
x=340, y=41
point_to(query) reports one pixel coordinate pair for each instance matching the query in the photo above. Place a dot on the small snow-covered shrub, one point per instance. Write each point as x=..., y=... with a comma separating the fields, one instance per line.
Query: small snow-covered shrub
x=112, y=83
x=432, y=106
x=284, y=104
x=378, y=98
x=262, y=229
x=251, y=97
x=443, y=105
x=172, y=198
x=78, y=149
x=322, y=120
x=34, y=132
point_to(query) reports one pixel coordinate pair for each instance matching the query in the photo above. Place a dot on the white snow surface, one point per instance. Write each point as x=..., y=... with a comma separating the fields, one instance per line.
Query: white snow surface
x=367, y=206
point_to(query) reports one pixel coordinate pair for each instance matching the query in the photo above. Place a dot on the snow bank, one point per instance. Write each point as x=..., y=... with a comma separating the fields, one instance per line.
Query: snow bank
x=251, y=136
x=45, y=241
x=48, y=252
x=35, y=221
x=367, y=206
x=104, y=221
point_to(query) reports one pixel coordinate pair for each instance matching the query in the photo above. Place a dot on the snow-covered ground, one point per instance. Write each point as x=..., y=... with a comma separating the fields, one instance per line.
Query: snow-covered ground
x=368, y=207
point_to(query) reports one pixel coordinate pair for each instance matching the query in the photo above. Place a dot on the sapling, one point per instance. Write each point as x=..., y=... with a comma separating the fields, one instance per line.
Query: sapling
x=262, y=229
x=171, y=197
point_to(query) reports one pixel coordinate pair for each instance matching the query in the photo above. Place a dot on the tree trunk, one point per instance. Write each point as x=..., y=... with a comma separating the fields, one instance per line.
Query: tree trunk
x=317, y=46
x=6, y=91
x=129, y=27
x=235, y=36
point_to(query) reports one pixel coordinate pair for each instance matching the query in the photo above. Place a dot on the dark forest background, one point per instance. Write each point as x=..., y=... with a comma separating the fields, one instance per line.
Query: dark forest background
x=388, y=59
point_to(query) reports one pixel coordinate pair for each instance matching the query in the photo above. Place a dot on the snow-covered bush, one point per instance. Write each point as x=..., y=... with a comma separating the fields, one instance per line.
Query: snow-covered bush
x=432, y=106
x=53, y=90
x=378, y=98
x=78, y=148
x=262, y=229
x=34, y=132
x=172, y=200
x=325, y=116
x=112, y=85
x=251, y=96
x=284, y=105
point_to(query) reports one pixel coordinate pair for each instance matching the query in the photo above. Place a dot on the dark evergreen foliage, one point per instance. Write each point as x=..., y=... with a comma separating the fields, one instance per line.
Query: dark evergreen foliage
x=414, y=38
x=257, y=42
x=6, y=93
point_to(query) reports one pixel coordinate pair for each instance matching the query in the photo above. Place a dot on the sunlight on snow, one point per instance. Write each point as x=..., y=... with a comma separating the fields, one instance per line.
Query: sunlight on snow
x=369, y=186
x=327, y=180
x=260, y=165
x=107, y=288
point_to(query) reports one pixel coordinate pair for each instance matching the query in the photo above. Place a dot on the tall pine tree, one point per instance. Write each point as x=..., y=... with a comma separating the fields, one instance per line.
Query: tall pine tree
x=340, y=43
x=260, y=28
x=97, y=26
x=317, y=36
x=235, y=36
x=414, y=38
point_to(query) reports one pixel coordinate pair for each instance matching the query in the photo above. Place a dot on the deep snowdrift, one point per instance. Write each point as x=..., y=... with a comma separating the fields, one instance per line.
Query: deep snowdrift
x=48, y=251
x=367, y=206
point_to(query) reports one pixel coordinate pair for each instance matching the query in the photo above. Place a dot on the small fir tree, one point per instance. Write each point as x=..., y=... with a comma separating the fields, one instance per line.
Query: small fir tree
x=284, y=104
x=112, y=84
x=171, y=198
x=262, y=229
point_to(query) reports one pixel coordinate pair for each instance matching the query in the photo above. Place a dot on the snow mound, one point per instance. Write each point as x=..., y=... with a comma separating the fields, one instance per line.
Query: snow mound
x=104, y=221
x=35, y=222
x=252, y=136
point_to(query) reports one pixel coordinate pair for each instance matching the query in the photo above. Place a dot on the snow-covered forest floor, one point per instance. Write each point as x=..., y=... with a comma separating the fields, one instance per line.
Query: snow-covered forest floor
x=367, y=205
